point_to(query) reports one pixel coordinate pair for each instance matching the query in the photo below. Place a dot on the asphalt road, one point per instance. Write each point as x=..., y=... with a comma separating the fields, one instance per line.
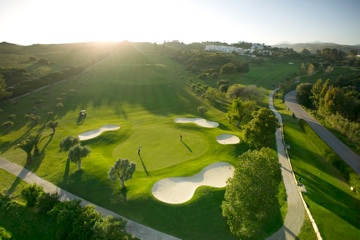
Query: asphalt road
x=351, y=158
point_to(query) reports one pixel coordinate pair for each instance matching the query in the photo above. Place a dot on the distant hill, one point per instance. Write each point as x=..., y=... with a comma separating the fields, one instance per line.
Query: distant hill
x=314, y=46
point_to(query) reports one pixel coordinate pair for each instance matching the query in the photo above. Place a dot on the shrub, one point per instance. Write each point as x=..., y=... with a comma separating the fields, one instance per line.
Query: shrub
x=59, y=105
x=223, y=88
x=228, y=68
x=222, y=81
x=203, y=76
x=31, y=194
x=4, y=234
x=8, y=124
x=202, y=110
x=47, y=201
x=43, y=61
x=354, y=180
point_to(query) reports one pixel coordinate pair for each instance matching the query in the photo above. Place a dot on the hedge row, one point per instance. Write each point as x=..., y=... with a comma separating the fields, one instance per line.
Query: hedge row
x=329, y=155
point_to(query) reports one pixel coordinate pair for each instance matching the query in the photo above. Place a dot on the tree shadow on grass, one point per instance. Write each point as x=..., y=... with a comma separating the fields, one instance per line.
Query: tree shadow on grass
x=143, y=164
x=47, y=143
x=332, y=198
x=66, y=172
x=223, y=127
x=9, y=144
x=76, y=177
x=37, y=159
x=13, y=186
x=187, y=146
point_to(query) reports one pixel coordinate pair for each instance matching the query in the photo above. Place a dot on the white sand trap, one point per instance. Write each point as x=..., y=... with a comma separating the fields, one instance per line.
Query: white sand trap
x=227, y=139
x=181, y=189
x=94, y=133
x=199, y=121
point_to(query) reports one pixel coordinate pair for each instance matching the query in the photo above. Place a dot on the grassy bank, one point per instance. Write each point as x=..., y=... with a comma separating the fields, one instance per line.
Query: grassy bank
x=334, y=207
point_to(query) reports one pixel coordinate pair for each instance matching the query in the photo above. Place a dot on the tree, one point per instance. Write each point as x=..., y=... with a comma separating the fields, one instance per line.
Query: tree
x=223, y=88
x=243, y=67
x=222, y=82
x=325, y=88
x=65, y=215
x=46, y=202
x=235, y=91
x=228, y=68
x=27, y=146
x=34, y=118
x=67, y=142
x=78, y=152
x=52, y=125
x=123, y=170
x=109, y=228
x=202, y=110
x=31, y=194
x=315, y=93
x=210, y=95
x=310, y=69
x=3, y=91
x=304, y=94
x=250, y=200
x=249, y=92
x=240, y=109
x=259, y=132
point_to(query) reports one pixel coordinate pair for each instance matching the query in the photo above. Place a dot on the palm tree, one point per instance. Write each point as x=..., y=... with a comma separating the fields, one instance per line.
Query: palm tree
x=27, y=146
x=52, y=125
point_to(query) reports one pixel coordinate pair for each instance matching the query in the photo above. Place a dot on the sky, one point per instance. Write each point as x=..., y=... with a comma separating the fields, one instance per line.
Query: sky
x=27, y=22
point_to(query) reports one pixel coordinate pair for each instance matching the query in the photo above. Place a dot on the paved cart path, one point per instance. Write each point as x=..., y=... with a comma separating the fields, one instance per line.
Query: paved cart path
x=295, y=215
x=351, y=158
x=138, y=230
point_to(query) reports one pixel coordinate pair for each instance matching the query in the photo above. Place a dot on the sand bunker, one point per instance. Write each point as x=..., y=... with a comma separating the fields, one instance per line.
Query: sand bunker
x=94, y=133
x=199, y=121
x=227, y=139
x=181, y=189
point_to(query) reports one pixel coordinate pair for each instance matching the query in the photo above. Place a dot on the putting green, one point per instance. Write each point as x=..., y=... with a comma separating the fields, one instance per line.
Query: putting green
x=160, y=149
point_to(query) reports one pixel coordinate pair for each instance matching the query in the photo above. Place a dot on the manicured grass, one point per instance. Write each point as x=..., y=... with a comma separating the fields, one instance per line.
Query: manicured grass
x=142, y=91
x=132, y=90
x=267, y=74
x=334, y=207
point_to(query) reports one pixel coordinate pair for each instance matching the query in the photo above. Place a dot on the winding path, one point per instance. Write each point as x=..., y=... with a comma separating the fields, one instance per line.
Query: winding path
x=294, y=218
x=351, y=158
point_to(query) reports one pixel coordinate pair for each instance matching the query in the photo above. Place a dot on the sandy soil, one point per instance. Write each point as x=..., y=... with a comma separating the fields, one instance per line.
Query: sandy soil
x=199, y=121
x=181, y=189
x=94, y=133
x=227, y=139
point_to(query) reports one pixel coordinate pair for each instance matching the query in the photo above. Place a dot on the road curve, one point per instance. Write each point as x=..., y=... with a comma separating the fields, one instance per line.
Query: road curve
x=351, y=158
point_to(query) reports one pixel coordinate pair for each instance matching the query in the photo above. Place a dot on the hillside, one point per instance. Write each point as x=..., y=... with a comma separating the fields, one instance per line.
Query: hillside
x=313, y=47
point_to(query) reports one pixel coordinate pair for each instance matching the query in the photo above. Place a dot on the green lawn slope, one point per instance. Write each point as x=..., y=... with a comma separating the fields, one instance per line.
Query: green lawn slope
x=142, y=91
